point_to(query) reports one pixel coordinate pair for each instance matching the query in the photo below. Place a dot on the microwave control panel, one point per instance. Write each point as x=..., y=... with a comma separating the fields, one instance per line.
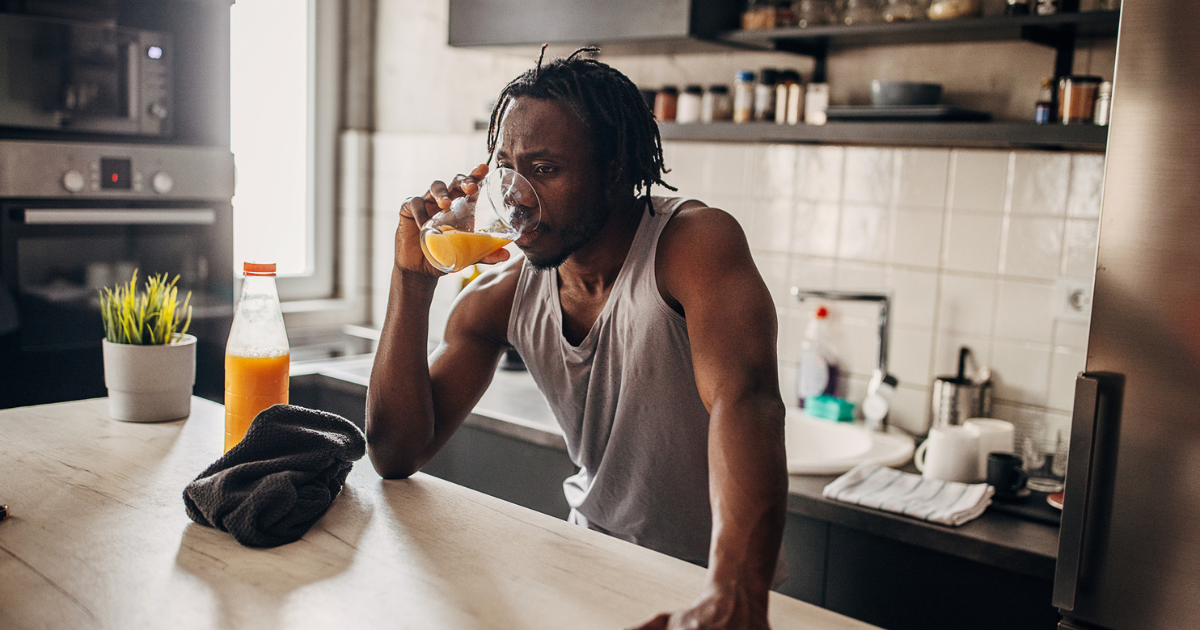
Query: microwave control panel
x=66, y=170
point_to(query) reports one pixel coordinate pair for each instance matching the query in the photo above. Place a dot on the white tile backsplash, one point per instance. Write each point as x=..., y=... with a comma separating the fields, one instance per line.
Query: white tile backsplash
x=969, y=243
x=917, y=237
x=1087, y=185
x=868, y=176
x=979, y=181
x=1037, y=183
x=1034, y=247
x=820, y=173
x=1025, y=311
x=865, y=232
x=973, y=242
x=922, y=176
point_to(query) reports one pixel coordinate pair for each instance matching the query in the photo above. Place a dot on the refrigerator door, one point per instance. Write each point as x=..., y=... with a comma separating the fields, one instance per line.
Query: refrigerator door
x=1132, y=558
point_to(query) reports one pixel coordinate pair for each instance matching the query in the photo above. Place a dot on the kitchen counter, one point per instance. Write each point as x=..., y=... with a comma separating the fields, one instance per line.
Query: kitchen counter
x=98, y=538
x=514, y=407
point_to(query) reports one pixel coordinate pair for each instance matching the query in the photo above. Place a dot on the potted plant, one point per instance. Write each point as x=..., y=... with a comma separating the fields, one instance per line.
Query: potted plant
x=149, y=360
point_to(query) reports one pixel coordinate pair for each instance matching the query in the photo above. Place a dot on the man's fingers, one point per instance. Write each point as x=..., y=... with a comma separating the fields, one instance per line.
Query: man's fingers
x=415, y=208
x=497, y=256
x=479, y=172
x=657, y=623
x=439, y=194
x=463, y=185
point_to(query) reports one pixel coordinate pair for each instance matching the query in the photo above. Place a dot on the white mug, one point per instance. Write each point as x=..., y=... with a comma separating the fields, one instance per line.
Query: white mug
x=995, y=436
x=950, y=453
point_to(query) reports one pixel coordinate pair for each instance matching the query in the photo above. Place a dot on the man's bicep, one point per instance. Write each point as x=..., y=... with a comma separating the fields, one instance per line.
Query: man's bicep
x=731, y=320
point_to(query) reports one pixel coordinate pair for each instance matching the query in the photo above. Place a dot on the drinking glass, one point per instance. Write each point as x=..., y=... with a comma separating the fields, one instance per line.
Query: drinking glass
x=1044, y=453
x=462, y=235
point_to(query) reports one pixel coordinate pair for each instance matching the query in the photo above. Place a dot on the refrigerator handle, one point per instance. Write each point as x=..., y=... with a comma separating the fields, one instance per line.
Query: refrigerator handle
x=1075, y=497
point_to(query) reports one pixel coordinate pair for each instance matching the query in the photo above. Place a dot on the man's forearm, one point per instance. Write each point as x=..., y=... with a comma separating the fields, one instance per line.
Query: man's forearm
x=748, y=489
x=399, y=414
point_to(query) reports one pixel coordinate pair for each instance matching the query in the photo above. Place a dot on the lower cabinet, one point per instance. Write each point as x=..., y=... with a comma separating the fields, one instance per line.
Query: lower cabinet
x=899, y=586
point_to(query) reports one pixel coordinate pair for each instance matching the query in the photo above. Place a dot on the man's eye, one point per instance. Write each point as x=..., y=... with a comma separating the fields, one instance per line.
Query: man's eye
x=543, y=169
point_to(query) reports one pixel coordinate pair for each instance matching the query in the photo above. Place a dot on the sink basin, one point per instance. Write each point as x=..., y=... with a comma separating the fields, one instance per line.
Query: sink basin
x=822, y=447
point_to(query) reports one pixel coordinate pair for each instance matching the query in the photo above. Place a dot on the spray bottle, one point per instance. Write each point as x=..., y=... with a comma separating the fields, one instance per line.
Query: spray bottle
x=818, y=370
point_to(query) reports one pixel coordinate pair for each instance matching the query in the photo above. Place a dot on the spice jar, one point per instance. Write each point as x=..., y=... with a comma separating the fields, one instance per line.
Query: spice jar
x=764, y=95
x=1044, y=108
x=743, y=97
x=789, y=84
x=1077, y=99
x=689, y=104
x=666, y=102
x=716, y=105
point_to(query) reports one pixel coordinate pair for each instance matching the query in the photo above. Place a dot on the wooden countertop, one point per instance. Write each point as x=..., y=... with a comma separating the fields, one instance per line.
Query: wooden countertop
x=98, y=538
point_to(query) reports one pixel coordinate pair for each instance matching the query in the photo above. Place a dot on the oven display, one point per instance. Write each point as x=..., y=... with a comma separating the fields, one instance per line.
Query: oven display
x=116, y=173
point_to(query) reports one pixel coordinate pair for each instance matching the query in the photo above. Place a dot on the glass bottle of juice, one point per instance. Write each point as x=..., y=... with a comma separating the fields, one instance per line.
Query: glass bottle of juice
x=257, y=356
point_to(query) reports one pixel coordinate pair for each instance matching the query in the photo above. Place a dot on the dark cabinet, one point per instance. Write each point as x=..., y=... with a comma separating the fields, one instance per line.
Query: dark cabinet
x=629, y=26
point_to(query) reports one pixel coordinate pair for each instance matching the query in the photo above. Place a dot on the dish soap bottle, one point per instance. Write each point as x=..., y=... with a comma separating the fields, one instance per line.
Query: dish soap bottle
x=818, y=370
x=257, y=356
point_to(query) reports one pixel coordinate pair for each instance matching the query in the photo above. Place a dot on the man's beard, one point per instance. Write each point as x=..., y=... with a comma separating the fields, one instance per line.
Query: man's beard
x=574, y=237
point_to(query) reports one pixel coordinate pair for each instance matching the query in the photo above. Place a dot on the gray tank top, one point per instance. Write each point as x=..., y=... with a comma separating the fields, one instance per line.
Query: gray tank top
x=627, y=401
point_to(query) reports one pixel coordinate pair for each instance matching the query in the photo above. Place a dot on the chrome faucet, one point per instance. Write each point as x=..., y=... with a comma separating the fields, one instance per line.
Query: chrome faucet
x=881, y=375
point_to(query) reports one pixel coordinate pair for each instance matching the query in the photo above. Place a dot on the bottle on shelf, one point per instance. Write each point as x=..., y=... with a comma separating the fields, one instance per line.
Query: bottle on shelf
x=817, y=372
x=764, y=95
x=743, y=96
x=689, y=107
x=257, y=355
x=1103, y=104
x=816, y=101
x=716, y=105
x=787, y=90
x=1044, y=108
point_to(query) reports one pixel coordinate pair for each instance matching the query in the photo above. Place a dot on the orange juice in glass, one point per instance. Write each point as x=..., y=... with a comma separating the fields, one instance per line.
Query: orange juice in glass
x=461, y=236
x=257, y=356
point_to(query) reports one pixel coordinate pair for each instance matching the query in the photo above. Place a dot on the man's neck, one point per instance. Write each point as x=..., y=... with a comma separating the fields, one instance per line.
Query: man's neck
x=595, y=266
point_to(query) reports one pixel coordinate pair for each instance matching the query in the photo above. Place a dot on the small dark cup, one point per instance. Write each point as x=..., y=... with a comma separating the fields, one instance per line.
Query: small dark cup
x=1004, y=473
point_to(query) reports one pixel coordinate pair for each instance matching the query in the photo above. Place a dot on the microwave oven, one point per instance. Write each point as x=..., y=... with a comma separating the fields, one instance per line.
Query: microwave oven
x=91, y=77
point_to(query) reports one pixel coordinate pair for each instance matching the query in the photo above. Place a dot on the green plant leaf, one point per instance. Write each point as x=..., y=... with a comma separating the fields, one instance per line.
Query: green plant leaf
x=152, y=317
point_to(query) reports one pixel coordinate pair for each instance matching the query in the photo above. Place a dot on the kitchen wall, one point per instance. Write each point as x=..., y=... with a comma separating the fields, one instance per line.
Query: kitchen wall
x=977, y=247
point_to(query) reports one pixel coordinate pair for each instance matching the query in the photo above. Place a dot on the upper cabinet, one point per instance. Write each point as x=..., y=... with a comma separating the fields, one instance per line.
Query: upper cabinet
x=620, y=26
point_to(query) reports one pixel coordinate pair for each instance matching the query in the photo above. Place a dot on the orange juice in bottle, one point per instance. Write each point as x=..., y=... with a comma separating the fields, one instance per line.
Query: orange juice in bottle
x=257, y=355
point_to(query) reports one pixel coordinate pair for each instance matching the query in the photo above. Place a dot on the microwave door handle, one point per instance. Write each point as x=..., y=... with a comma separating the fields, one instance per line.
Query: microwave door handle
x=133, y=79
x=95, y=216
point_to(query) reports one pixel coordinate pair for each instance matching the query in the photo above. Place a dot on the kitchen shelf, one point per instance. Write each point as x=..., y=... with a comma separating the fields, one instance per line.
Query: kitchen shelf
x=986, y=135
x=1059, y=31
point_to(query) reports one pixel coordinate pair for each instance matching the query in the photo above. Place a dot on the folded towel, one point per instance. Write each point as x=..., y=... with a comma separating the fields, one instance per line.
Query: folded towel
x=944, y=502
x=270, y=488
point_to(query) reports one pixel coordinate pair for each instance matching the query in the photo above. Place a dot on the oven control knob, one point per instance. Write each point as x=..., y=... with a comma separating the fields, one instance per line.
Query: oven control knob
x=157, y=109
x=73, y=181
x=162, y=182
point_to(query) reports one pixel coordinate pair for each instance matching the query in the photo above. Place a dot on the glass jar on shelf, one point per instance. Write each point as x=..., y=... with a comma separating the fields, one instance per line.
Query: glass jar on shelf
x=860, y=12
x=814, y=12
x=953, y=9
x=903, y=10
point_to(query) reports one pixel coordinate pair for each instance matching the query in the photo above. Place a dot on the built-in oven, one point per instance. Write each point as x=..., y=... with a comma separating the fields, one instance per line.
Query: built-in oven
x=84, y=76
x=76, y=217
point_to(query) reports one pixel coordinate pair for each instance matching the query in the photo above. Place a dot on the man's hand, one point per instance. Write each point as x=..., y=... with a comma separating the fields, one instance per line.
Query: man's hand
x=715, y=610
x=417, y=210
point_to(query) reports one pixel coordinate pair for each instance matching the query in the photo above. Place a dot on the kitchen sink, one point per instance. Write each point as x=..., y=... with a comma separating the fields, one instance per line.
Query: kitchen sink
x=823, y=447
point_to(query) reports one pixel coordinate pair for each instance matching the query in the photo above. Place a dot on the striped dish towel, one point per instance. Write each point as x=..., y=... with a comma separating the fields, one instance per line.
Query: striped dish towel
x=887, y=489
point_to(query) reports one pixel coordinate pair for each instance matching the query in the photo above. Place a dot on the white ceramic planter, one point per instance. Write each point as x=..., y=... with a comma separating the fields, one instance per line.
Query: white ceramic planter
x=150, y=383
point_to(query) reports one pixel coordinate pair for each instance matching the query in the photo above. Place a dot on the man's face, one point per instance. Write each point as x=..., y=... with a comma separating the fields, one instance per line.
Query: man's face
x=544, y=141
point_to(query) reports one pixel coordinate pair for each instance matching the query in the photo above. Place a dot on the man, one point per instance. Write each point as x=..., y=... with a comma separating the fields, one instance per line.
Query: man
x=642, y=319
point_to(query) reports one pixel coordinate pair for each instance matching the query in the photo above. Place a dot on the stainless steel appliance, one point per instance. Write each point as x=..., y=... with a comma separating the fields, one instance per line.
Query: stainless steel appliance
x=1129, y=547
x=84, y=76
x=77, y=216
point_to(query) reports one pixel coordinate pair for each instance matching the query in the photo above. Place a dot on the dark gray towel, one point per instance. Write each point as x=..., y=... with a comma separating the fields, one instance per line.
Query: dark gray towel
x=270, y=488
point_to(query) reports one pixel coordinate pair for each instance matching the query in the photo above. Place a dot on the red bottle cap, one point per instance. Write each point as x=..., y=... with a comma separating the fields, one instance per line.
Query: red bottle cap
x=822, y=312
x=258, y=269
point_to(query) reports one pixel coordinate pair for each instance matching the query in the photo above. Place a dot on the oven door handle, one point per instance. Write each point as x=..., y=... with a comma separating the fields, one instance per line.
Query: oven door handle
x=96, y=216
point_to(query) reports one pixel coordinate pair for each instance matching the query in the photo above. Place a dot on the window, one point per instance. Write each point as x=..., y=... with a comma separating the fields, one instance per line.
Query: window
x=283, y=75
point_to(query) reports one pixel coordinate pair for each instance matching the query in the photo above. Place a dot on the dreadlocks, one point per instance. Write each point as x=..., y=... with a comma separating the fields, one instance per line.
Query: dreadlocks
x=610, y=106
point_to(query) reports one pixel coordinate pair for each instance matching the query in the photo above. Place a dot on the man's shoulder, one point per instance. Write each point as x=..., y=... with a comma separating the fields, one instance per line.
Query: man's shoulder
x=696, y=229
x=485, y=303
